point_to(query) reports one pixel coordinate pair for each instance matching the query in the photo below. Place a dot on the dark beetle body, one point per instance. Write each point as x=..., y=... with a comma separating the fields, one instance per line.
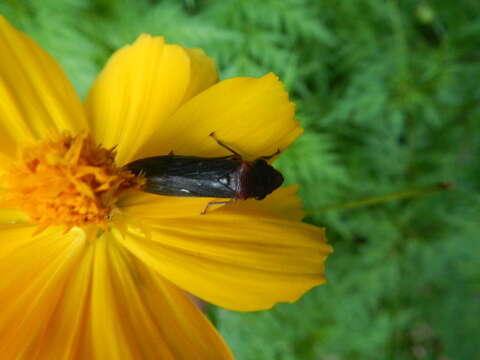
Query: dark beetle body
x=219, y=177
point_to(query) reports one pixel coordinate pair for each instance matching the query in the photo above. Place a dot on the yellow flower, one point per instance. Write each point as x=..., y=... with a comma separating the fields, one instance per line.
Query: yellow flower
x=93, y=268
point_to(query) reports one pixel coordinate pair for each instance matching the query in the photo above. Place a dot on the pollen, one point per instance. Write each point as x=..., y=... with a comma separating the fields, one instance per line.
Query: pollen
x=69, y=180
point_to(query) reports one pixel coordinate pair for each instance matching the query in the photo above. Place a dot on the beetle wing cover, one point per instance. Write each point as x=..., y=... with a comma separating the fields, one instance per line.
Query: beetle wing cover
x=186, y=175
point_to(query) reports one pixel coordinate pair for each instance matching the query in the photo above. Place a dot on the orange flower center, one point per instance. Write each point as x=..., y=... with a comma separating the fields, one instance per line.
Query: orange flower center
x=69, y=181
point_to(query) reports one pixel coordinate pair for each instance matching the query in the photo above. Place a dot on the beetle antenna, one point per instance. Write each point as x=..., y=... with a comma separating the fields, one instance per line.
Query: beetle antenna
x=222, y=144
x=268, y=157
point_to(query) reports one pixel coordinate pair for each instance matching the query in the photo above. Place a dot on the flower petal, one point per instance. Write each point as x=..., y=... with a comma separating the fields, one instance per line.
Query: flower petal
x=138, y=315
x=240, y=256
x=67, y=336
x=203, y=73
x=137, y=205
x=253, y=116
x=35, y=270
x=63, y=297
x=36, y=97
x=140, y=87
x=12, y=216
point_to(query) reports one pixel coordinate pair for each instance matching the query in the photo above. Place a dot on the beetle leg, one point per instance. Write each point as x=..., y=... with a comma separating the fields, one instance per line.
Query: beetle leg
x=268, y=157
x=171, y=153
x=204, y=211
x=222, y=144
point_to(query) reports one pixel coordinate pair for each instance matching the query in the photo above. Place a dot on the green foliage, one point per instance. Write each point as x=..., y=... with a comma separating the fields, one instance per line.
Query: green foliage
x=388, y=93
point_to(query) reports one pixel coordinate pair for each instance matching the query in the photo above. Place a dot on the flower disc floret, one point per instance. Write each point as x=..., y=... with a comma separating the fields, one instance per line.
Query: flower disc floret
x=68, y=181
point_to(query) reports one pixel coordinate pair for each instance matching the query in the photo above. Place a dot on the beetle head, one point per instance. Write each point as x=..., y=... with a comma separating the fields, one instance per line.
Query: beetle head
x=262, y=179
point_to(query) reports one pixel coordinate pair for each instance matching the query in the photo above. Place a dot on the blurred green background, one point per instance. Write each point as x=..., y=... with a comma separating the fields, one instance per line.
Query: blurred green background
x=388, y=92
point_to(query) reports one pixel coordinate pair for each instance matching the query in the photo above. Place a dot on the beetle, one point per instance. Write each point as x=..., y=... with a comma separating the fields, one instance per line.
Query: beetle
x=218, y=177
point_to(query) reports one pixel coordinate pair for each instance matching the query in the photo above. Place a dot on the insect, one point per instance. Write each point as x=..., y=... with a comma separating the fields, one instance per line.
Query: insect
x=219, y=177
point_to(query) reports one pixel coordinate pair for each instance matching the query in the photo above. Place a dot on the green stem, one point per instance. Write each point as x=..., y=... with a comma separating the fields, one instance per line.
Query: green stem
x=419, y=191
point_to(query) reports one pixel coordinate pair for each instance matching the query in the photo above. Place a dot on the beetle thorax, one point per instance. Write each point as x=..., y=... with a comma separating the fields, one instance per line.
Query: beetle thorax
x=258, y=179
